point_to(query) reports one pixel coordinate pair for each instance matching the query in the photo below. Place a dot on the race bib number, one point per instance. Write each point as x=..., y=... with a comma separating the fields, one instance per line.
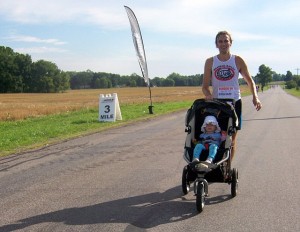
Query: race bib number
x=226, y=92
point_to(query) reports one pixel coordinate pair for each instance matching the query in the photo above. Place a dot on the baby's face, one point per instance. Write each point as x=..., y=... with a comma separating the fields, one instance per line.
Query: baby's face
x=210, y=128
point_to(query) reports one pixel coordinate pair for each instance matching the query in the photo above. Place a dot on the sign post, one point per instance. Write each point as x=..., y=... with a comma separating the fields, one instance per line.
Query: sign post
x=109, y=108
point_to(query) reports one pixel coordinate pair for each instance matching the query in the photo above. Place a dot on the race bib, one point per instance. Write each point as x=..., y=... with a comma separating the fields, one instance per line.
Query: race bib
x=226, y=92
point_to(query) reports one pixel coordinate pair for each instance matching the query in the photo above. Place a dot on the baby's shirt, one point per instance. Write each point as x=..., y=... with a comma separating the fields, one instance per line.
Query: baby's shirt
x=211, y=138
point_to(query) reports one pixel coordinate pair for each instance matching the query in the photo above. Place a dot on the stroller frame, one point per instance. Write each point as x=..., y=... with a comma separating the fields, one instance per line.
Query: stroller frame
x=220, y=171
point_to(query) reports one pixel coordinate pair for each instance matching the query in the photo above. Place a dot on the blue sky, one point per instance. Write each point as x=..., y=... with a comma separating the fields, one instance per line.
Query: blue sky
x=178, y=35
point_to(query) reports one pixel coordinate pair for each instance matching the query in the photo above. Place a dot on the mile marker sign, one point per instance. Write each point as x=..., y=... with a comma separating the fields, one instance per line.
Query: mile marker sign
x=109, y=108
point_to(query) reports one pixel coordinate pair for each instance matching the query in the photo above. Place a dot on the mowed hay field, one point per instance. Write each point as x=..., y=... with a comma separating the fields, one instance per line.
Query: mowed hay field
x=29, y=121
x=26, y=105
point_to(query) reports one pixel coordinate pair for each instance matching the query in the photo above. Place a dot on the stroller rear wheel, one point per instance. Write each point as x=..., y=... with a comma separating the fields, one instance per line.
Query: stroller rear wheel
x=234, y=182
x=185, y=181
x=200, y=197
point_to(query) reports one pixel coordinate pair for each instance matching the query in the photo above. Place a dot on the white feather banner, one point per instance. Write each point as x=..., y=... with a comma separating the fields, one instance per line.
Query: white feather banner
x=138, y=43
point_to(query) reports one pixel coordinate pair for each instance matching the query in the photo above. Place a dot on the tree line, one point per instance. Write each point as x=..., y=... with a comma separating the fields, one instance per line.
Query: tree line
x=89, y=79
x=19, y=74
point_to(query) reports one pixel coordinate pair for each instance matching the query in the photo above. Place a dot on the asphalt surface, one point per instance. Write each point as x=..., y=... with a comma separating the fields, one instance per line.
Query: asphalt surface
x=129, y=178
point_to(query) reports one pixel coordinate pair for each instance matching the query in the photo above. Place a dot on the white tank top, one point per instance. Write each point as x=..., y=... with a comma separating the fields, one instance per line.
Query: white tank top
x=225, y=77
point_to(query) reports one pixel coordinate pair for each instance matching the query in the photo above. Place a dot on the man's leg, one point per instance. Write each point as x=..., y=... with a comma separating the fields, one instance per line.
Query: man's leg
x=233, y=145
x=238, y=110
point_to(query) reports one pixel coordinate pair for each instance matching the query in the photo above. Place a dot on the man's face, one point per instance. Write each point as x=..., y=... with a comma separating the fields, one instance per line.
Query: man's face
x=223, y=43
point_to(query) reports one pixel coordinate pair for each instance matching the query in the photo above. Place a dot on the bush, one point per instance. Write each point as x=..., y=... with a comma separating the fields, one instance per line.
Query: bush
x=291, y=84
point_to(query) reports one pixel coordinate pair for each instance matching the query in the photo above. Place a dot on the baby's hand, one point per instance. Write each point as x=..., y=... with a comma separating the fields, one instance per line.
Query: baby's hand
x=223, y=135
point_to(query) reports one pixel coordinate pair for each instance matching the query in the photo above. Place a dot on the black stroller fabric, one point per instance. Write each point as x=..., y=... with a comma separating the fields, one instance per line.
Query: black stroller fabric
x=220, y=109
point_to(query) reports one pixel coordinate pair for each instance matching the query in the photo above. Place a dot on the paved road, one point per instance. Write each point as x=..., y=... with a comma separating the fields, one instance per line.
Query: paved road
x=129, y=179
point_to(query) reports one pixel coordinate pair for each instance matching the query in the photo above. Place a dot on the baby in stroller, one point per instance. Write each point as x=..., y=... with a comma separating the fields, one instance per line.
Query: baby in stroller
x=209, y=160
x=210, y=140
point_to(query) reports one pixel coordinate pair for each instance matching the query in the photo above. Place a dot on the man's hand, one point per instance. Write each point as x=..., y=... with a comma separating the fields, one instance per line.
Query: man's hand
x=209, y=97
x=257, y=103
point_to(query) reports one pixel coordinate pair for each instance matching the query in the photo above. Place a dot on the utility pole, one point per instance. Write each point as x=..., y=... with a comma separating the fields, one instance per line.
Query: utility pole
x=297, y=70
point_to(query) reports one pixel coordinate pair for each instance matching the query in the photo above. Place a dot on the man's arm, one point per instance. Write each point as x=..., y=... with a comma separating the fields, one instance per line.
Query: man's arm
x=245, y=74
x=207, y=79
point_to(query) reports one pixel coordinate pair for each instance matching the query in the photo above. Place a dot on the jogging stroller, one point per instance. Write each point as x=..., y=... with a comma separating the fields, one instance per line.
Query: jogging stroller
x=220, y=170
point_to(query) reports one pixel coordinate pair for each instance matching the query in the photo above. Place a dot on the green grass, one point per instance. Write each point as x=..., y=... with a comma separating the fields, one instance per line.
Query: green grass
x=293, y=92
x=18, y=136
x=22, y=135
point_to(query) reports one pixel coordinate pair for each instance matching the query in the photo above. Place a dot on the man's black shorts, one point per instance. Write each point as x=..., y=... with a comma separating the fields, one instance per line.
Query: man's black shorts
x=238, y=110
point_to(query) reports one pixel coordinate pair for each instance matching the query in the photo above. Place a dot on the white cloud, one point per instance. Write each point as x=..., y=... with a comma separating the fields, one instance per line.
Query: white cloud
x=35, y=11
x=180, y=16
x=40, y=50
x=63, y=11
x=176, y=16
x=32, y=39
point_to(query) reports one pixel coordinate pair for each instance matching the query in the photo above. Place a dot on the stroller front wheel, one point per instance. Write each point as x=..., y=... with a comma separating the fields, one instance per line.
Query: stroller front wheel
x=185, y=182
x=200, y=197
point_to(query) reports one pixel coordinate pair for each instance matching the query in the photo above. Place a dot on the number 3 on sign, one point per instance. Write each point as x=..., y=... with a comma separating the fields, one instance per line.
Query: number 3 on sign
x=109, y=108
